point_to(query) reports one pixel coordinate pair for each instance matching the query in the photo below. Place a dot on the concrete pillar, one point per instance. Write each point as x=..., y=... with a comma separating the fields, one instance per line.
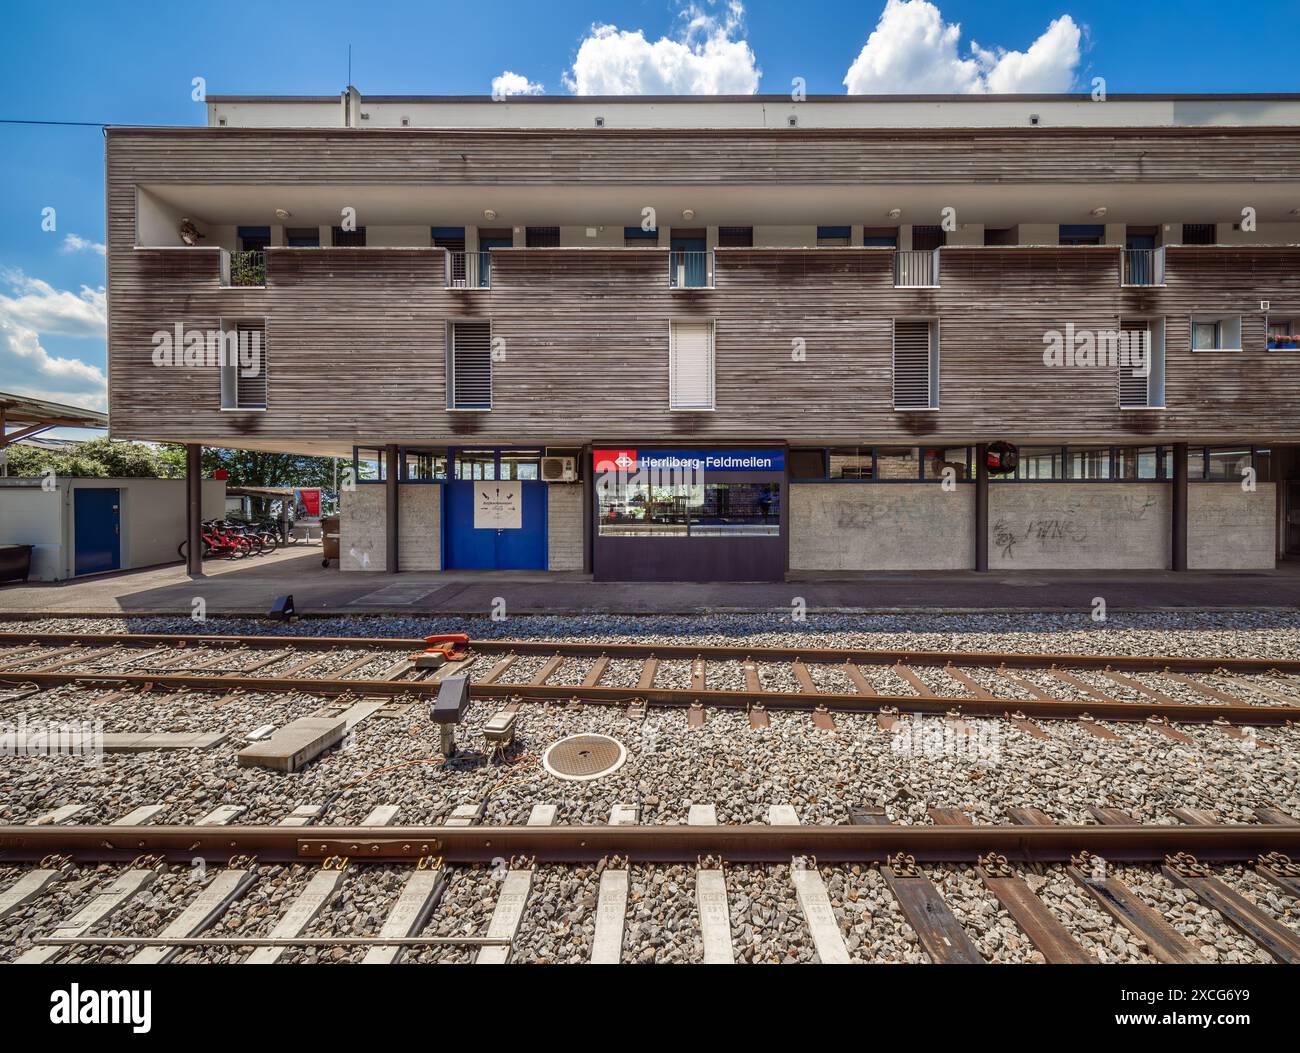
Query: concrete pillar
x=586, y=468
x=390, y=518
x=1179, y=507
x=982, y=507
x=194, y=509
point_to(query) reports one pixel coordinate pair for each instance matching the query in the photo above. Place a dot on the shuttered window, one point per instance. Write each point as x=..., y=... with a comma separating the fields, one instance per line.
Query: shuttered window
x=469, y=366
x=243, y=365
x=916, y=362
x=542, y=237
x=1134, y=380
x=690, y=365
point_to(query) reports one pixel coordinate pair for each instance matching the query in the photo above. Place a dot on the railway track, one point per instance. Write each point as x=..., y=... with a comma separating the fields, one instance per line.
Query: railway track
x=1231, y=690
x=1020, y=868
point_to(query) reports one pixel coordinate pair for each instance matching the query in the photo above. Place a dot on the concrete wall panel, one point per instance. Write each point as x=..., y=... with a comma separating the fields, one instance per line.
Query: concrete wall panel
x=564, y=526
x=1229, y=529
x=885, y=526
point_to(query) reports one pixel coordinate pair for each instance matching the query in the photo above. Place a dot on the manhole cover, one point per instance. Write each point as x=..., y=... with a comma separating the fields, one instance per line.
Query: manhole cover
x=581, y=757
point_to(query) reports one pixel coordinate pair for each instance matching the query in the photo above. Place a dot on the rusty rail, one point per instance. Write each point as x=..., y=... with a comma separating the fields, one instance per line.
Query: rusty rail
x=583, y=844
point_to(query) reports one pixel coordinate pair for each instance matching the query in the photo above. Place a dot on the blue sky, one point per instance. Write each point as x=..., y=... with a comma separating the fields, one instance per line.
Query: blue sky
x=132, y=63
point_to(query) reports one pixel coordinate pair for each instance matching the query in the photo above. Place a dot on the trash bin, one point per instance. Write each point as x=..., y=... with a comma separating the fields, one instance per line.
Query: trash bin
x=16, y=561
x=329, y=526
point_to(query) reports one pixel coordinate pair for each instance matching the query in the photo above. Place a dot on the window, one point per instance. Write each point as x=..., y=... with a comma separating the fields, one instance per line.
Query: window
x=1037, y=464
x=1195, y=462
x=1216, y=334
x=807, y=464
x=424, y=466
x=935, y=461
x=928, y=238
x=1001, y=235
x=631, y=507
x=916, y=364
x=469, y=365
x=735, y=237
x=1090, y=464
x=1134, y=463
x=1198, y=234
x=450, y=238
x=853, y=462
x=690, y=365
x=253, y=239
x=833, y=237
x=1082, y=234
x=302, y=237
x=368, y=464
x=521, y=464
x=1227, y=465
x=897, y=462
x=636, y=238
x=243, y=366
x=880, y=237
x=349, y=239
x=542, y=237
x=1283, y=334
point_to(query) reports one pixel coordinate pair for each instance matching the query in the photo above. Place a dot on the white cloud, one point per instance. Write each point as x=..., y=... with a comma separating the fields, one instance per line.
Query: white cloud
x=42, y=307
x=913, y=50
x=26, y=367
x=76, y=243
x=514, y=84
x=706, y=58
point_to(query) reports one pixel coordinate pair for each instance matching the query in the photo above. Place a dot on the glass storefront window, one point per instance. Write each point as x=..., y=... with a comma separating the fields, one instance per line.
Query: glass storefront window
x=955, y=457
x=851, y=462
x=1038, y=462
x=521, y=464
x=421, y=466
x=476, y=464
x=634, y=508
x=370, y=464
x=897, y=462
x=1196, y=462
x=1226, y=465
x=1136, y=462
x=1263, y=466
x=1090, y=464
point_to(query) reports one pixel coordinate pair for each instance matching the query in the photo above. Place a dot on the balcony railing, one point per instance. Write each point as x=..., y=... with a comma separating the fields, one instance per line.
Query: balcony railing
x=1143, y=267
x=690, y=270
x=916, y=269
x=243, y=267
x=469, y=270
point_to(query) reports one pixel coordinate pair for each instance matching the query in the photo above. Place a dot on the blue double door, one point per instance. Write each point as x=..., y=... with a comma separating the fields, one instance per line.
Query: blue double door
x=97, y=530
x=469, y=548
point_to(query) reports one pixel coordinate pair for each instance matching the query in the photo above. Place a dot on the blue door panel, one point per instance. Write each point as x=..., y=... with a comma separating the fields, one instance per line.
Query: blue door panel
x=469, y=549
x=97, y=542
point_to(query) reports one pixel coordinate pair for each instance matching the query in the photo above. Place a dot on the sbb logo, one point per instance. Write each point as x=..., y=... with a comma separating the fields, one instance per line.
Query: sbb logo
x=615, y=460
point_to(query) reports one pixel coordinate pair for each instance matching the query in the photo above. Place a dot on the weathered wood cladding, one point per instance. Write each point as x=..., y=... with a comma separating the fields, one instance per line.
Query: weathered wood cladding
x=785, y=157
x=355, y=345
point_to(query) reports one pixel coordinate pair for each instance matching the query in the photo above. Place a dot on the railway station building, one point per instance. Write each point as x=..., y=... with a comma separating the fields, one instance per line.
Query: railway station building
x=722, y=338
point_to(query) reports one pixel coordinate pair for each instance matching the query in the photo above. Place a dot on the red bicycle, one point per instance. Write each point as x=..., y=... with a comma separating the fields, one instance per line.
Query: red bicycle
x=218, y=540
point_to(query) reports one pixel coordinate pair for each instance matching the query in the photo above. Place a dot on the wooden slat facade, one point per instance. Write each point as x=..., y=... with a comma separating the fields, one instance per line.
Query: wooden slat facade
x=355, y=337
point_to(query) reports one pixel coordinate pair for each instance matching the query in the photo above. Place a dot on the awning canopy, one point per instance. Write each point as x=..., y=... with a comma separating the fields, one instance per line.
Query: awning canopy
x=36, y=415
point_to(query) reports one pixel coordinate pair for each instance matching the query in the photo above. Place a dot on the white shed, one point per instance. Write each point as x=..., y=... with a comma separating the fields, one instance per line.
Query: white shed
x=90, y=526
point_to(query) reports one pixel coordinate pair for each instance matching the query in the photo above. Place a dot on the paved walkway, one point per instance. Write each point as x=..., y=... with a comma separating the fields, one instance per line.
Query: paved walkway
x=250, y=586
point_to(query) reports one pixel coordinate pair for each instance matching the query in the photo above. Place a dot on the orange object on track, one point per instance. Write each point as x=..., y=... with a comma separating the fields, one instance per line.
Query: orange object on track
x=452, y=646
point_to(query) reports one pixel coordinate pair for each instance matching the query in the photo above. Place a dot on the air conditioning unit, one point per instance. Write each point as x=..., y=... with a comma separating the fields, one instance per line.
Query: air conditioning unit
x=559, y=469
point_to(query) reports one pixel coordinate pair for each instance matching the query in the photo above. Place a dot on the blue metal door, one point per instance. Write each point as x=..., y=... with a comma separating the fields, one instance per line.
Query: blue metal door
x=97, y=541
x=689, y=267
x=468, y=548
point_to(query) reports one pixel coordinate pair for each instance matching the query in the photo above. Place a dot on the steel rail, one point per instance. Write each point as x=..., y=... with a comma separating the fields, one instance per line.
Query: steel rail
x=659, y=843
x=819, y=655
x=967, y=705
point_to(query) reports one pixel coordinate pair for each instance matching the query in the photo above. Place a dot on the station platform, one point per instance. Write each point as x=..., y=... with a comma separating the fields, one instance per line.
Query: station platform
x=250, y=587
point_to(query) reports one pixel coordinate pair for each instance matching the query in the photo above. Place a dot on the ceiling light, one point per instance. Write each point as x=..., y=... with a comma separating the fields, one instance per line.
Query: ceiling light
x=489, y=213
x=688, y=213
x=1099, y=211
x=282, y=213
x=894, y=213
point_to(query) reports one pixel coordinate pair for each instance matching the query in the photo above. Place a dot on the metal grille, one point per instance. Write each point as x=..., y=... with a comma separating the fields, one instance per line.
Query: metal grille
x=1134, y=384
x=912, y=360
x=469, y=366
x=582, y=757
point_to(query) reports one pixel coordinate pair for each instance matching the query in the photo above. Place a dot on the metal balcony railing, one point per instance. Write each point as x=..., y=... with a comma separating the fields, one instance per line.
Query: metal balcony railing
x=916, y=268
x=469, y=270
x=243, y=267
x=690, y=270
x=1143, y=267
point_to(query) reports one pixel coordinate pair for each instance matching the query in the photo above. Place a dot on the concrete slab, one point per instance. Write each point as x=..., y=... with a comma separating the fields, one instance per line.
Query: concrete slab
x=295, y=744
x=249, y=587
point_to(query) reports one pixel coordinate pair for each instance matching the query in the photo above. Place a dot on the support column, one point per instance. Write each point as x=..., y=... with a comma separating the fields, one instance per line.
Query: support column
x=390, y=519
x=982, y=507
x=1178, y=508
x=194, y=509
